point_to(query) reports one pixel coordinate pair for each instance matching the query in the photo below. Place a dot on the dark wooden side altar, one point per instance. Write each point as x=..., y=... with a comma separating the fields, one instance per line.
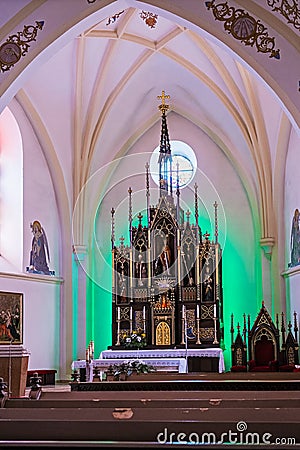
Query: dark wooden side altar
x=167, y=282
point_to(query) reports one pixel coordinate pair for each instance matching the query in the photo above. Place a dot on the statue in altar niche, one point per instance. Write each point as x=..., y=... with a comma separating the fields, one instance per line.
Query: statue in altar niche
x=141, y=271
x=189, y=259
x=207, y=283
x=295, y=239
x=163, y=261
x=122, y=279
x=122, y=287
x=166, y=278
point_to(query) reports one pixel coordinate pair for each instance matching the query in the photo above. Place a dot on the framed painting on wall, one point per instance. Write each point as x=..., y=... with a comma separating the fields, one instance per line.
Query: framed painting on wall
x=11, y=318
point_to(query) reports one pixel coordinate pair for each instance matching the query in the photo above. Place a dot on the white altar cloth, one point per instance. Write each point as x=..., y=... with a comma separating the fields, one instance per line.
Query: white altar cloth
x=167, y=353
x=173, y=364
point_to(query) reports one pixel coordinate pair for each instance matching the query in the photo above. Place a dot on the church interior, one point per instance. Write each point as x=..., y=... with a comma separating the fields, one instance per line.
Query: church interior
x=150, y=211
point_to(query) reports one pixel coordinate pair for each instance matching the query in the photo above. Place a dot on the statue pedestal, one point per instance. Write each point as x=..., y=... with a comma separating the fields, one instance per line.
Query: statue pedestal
x=292, y=281
x=13, y=368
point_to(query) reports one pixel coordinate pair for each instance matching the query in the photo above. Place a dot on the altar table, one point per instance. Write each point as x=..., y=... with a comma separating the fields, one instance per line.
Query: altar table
x=168, y=364
x=167, y=353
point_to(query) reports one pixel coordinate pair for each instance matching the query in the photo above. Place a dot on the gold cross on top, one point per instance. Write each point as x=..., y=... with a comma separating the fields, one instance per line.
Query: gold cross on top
x=163, y=107
x=140, y=216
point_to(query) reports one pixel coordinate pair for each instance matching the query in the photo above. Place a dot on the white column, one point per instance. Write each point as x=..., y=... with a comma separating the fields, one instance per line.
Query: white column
x=79, y=252
x=267, y=245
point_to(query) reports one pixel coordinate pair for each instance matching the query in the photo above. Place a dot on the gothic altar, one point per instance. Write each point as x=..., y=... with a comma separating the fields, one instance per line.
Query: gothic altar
x=167, y=283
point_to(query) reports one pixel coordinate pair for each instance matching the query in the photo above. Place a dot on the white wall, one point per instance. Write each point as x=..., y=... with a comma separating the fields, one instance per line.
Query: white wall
x=11, y=194
x=292, y=201
x=41, y=323
x=27, y=194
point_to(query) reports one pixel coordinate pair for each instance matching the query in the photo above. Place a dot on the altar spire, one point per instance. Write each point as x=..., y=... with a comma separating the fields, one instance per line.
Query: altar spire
x=165, y=157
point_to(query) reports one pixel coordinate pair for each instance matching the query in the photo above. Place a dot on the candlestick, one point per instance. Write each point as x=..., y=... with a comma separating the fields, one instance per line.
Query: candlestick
x=118, y=332
x=183, y=337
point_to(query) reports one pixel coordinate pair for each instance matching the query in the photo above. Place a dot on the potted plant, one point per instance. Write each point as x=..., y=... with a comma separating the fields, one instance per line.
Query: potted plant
x=134, y=340
x=120, y=371
x=110, y=376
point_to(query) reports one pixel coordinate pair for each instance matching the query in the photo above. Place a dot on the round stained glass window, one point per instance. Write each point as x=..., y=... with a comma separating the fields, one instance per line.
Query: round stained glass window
x=184, y=164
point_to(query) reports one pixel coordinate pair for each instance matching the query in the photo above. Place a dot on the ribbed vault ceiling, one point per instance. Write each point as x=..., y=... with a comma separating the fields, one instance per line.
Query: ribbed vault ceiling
x=97, y=95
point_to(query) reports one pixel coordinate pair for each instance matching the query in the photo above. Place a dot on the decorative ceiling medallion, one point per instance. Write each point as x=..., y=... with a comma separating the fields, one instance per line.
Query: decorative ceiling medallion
x=149, y=18
x=17, y=45
x=10, y=53
x=113, y=18
x=288, y=9
x=244, y=27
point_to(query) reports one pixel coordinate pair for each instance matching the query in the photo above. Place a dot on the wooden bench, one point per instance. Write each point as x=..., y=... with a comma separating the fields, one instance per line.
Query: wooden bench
x=47, y=376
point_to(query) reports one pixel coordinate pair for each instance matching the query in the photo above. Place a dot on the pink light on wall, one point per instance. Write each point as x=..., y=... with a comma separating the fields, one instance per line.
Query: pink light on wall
x=11, y=194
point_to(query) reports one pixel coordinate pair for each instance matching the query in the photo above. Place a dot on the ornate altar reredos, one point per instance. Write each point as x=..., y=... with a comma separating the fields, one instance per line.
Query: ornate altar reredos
x=167, y=283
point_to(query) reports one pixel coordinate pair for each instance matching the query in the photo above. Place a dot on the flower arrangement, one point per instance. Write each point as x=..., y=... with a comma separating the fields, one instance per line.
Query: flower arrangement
x=138, y=366
x=136, y=339
x=132, y=366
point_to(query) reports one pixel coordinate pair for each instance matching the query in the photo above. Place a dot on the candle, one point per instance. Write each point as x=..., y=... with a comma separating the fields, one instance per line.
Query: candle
x=144, y=312
x=119, y=313
x=198, y=312
x=183, y=311
x=215, y=310
x=130, y=312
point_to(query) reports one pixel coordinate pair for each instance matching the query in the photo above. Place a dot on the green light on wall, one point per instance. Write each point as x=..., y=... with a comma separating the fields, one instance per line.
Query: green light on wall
x=240, y=291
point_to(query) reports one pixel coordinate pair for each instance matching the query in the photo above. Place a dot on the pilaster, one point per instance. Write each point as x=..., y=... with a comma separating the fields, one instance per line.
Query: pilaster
x=80, y=326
